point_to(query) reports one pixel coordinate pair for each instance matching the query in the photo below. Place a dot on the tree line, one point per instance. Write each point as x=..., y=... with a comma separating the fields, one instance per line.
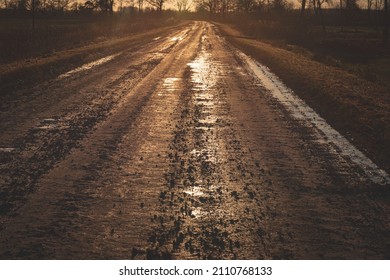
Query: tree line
x=89, y=5
x=245, y=6
x=262, y=8
x=211, y=6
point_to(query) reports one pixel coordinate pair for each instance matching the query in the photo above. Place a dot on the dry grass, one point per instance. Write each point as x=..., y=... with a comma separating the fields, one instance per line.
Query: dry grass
x=53, y=34
x=108, y=45
x=28, y=71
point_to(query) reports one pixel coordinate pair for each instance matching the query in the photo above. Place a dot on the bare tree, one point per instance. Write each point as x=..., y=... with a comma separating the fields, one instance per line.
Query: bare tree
x=140, y=5
x=60, y=5
x=378, y=4
x=351, y=4
x=22, y=4
x=369, y=8
x=303, y=7
x=183, y=5
x=10, y=4
x=123, y=3
x=106, y=5
x=319, y=7
x=279, y=5
x=207, y=5
x=33, y=13
x=158, y=4
x=5, y=4
x=246, y=5
x=386, y=22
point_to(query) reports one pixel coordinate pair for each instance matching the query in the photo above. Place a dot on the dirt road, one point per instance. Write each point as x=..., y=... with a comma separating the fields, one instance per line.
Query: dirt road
x=187, y=149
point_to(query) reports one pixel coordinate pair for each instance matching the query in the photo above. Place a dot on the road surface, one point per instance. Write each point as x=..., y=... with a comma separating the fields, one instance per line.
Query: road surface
x=184, y=148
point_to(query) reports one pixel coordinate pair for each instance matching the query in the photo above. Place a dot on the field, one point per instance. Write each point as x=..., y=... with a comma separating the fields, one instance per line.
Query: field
x=53, y=33
x=60, y=43
x=343, y=73
x=352, y=45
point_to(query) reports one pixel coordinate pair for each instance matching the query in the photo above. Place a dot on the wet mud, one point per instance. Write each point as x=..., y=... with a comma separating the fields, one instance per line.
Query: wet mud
x=180, y=151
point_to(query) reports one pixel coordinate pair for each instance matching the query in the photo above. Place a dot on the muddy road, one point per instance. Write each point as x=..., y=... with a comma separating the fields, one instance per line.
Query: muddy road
x=184, y=148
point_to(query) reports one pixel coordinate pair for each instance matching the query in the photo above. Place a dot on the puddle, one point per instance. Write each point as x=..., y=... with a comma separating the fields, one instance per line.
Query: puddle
x=181, y=36
x=177, y=38
x=324, y=133
x=205, y=154
x=49, y=124
x=195, y=191
x=7, y=149
x=203, y=78
x=172, y=41
x=208, y=120
x=171, y=84
x=204, y=102
x=48, y=120
x=198, y=212
x=88, y=66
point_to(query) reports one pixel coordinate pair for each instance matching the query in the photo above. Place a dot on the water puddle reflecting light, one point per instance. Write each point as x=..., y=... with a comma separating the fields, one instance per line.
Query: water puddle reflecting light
x=304, y=114
x=180, y=37
x=88, y=66
x=7, y=149
x=195, y=191
x=50, y=124
x=170, y=84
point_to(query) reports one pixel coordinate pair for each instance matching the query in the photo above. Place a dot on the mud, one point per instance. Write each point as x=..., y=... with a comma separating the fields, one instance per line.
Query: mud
x=178, y=151
x=325, y=134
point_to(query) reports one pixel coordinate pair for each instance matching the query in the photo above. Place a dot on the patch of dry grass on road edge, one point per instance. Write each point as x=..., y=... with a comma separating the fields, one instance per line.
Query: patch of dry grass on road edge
x=358, y=108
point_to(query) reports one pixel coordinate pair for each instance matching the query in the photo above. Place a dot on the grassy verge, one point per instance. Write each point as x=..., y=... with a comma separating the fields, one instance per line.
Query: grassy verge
x=358, y=108
x=24, y=72
x=53, y=33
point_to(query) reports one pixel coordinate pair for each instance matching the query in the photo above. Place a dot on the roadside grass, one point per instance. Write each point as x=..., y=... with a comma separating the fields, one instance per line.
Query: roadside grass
x=356, y=49
x=52, y=34
x=357, y=106
x=66, y=50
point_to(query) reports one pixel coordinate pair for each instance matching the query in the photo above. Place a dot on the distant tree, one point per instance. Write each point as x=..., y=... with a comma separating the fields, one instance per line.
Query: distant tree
x=140, y=5
x=370, y=3
x=106, y=5
x=321, y=14
x=158, y=4
x=123, y=3
x=386, y=22
x=246, y=5
x=351, y=5
x=279, y=5
x=206, y=5
x=88, y=5
x=378, y=4
x=303, y=7
x=10, y=4
x=59, y=5
x=22, y=4
x=183, y=5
